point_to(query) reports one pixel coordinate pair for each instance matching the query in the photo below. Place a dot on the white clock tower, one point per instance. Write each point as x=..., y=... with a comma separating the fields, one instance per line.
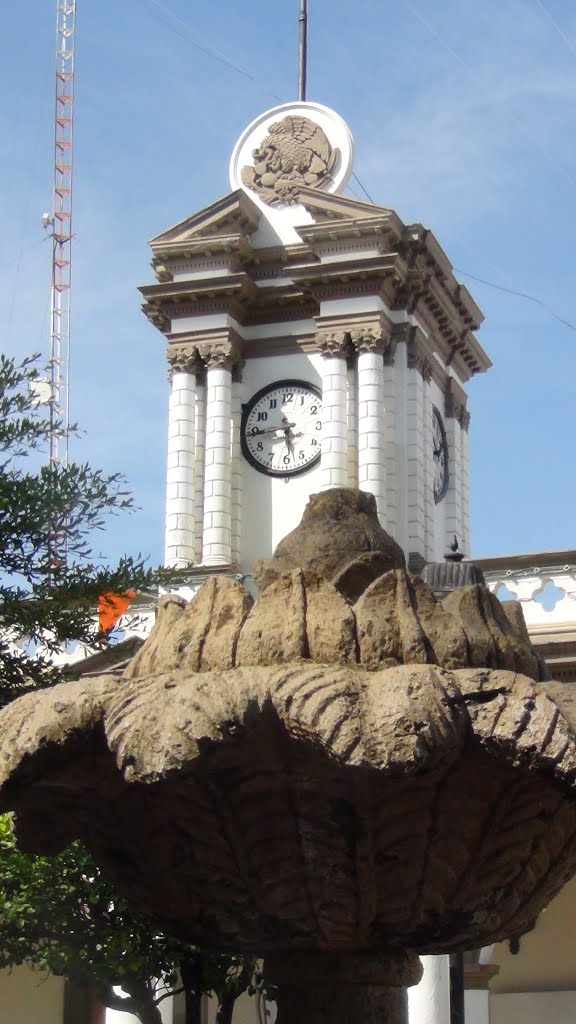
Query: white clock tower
x=314, y=341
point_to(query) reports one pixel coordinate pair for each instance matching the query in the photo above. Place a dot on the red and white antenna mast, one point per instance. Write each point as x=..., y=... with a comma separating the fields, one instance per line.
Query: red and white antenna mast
x=62, y=233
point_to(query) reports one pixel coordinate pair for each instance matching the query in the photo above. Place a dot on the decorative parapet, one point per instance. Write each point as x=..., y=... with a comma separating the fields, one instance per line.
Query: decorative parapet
x=544, y=585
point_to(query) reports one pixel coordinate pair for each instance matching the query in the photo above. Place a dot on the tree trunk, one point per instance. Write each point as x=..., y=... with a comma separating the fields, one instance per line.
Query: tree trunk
x=192, y=1008
x=140, y=1000
x=236, y=984
x=191, y=977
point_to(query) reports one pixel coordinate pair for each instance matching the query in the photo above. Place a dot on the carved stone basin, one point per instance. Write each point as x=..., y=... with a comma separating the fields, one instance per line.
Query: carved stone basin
x=273, y=778
x=338, y=776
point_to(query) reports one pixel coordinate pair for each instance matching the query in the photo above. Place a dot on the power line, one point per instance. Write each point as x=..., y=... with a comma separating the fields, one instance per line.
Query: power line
x=529, y=135
x=359, y=183
x=521, y=295
x=207, y=50
x=562, y=34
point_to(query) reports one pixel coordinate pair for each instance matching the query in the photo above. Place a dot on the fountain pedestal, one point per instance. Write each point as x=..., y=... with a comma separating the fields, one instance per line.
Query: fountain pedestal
x=331, y=988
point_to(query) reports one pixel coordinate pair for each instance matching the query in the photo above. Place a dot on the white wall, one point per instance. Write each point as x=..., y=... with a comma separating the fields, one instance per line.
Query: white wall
x=533, y=1008
x=27, y=997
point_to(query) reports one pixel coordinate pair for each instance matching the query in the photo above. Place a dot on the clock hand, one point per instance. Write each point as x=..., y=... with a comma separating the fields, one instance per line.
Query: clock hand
x=272, y=430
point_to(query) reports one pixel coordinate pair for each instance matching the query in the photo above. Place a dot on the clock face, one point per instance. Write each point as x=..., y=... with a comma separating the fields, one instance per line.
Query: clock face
x=440, y=457
x=281, y=428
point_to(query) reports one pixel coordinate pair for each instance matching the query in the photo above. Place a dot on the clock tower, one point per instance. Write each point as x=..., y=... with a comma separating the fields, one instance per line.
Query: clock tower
x=313, y=341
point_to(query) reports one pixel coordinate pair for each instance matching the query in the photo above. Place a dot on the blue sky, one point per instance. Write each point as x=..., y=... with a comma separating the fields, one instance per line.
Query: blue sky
x=464, y=118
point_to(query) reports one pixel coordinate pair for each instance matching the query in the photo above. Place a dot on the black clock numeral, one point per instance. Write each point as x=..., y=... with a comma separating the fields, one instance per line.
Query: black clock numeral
x=318, y=424
x=262, y=416
x=255, y=430
x=273, y=403
x=287, y=460
x=301, y=455
x=313, y=410
x=314, y=442
x=288, y=397
x=259, y=447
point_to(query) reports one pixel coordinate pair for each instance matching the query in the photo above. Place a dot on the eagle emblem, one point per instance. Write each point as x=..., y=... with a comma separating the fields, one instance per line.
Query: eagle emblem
x=295, y=152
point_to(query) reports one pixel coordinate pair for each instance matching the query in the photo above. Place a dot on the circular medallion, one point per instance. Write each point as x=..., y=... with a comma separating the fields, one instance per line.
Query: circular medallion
x=292, y=145
x=281, y=428
x=440, y=456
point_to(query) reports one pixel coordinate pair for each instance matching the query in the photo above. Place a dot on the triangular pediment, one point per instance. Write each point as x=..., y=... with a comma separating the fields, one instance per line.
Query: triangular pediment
x=324, y=206
x=232, y=216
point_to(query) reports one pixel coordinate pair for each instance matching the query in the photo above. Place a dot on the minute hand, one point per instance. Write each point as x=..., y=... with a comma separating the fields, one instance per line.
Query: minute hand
x=273, y=430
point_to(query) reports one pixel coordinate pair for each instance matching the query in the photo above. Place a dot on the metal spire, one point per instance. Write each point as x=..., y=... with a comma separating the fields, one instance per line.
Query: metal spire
x=303, y=49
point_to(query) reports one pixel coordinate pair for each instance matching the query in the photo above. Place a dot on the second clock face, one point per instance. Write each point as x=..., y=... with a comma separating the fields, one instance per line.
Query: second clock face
x=440, y=457
x=282, y=428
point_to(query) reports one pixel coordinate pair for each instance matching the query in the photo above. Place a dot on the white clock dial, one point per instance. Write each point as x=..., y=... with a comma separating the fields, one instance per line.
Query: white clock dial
x=282, y=428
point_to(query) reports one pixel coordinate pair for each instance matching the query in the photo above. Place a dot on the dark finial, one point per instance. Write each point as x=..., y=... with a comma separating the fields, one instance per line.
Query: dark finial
x=454, y=555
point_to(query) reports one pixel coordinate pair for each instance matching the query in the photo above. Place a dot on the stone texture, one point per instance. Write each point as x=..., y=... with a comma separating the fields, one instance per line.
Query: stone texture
x=337, y=526
x=198, y=636
x=309, y=776
x=399, y=621
x=307, y=806
x=299, y=616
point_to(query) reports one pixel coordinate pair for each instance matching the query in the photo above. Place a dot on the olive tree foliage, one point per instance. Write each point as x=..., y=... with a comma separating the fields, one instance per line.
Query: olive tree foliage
x=60, y=914
x=50, y=575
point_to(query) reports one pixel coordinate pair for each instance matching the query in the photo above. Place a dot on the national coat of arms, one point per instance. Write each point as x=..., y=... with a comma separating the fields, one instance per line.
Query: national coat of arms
x=295, y=152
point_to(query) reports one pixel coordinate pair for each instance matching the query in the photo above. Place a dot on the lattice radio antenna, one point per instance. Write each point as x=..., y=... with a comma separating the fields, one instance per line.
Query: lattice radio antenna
x=61, y=224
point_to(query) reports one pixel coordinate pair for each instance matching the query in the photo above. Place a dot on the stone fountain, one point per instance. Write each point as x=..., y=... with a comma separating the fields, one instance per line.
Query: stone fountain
x=340, y=776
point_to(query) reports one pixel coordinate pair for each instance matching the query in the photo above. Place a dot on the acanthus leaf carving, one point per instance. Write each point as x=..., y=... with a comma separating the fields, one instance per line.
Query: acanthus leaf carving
x=225, y=353
x=370, y=339
x=183, y=358
x=334, y=343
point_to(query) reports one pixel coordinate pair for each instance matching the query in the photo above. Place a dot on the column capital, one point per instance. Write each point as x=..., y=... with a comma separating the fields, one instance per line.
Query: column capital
x=224, y=352
x=183, y=358
x=455, y=406
x=334, y=343
x=418, y=355
x=370, y=338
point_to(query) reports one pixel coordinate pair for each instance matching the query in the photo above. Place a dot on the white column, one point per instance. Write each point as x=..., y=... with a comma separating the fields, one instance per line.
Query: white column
x=334, y=348
x=200, y=425
x=237, y=503
x=429, y=1000
x=453, y=499
x=352, y=426
x=477, y=1006
x=217, y=530
x=180, y=492
x=401, y=435
x=418, y=451
x=465, y=478
x=370, y=344
x=392, y=468
x=457, y=498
